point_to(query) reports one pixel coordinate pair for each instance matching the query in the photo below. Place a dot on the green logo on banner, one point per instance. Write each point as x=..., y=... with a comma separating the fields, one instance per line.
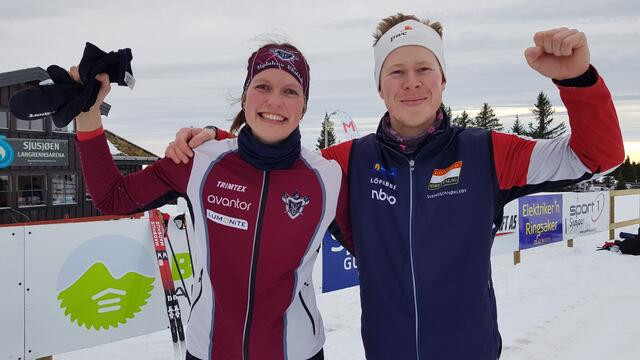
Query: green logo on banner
x=183, y=265
x=107, y=281
x=98, y=300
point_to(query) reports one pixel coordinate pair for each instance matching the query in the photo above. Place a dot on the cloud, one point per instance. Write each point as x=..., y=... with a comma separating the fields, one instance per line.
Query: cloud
x=188, y=57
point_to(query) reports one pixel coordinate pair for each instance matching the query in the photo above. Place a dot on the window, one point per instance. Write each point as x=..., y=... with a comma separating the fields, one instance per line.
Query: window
x=33, y=125
x=4, y=118
x=63, y=189
x=31, y=190
x=70, y=128
x=4, y=191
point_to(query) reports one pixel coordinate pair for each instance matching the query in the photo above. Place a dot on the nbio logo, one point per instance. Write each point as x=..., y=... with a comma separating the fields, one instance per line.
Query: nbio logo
x=383, y=196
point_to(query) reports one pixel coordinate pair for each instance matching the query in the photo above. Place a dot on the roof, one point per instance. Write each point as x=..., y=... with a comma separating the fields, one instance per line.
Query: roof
x=23, y=76
x=123, y=149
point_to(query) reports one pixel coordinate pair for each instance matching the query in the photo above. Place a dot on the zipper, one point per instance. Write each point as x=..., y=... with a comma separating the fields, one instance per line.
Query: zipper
x=306, y=308
x=254, y=262
x=413, y=277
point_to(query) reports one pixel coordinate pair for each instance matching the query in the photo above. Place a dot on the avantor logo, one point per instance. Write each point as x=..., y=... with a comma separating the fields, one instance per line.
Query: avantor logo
x=230, y=203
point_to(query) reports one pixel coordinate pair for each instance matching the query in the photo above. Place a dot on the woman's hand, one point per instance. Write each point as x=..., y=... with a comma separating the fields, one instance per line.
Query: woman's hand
x=90, y=120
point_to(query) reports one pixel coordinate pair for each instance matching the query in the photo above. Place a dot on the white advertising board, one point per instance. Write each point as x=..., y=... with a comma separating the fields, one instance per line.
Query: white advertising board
x=12, y=299
x=585, y=213
x=90, y=283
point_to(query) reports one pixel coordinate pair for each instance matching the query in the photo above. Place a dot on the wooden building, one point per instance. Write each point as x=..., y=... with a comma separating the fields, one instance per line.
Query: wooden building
x=40, y=171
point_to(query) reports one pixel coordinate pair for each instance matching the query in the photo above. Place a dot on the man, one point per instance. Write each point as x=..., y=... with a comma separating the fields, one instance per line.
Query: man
x=419, y=185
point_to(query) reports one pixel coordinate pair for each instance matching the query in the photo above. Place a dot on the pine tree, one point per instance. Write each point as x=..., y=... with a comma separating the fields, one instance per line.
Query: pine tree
x=486, y=119
x=543, y=113
x=518, y=128
x=331, y=137
x=622, y=184
x=628, y=170
x=447, y=111
x=463, y=120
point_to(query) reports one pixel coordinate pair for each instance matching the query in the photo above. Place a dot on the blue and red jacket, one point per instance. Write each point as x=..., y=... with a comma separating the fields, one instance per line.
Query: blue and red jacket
x=257, y=235
x=422, y=224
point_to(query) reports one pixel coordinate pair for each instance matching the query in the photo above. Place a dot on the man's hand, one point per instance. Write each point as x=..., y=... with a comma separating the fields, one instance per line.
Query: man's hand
x=187, y=139
x=559, y=54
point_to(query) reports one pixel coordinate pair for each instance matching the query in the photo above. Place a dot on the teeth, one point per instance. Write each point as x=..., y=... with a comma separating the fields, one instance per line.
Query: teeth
x=272, y=117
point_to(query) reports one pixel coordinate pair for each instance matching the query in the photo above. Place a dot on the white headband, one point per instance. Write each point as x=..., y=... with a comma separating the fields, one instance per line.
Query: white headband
x=409, y=32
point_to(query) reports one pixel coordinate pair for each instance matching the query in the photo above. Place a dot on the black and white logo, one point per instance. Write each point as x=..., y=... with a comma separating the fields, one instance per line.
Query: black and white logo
x=294, y=204
x=383, y=196
x=284, y=54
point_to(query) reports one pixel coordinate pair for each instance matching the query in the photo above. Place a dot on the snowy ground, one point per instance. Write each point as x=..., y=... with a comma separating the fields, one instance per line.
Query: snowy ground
x=559, y=303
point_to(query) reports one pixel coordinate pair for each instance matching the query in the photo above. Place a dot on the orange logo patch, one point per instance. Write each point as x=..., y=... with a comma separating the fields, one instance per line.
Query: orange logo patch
x=445, y=177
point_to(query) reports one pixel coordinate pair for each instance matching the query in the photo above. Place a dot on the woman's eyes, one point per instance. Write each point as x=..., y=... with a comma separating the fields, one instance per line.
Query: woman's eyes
x=286, y=91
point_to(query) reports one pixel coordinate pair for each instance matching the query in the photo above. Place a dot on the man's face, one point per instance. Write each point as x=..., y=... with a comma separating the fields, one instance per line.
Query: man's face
x=411, y=86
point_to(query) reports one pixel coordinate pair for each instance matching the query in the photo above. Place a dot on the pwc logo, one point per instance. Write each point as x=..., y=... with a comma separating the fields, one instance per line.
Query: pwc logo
x=383, y=196
x=403, y=32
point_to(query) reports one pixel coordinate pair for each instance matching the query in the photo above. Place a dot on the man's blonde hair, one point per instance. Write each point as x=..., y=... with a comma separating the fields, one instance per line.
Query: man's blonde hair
x=387, y=23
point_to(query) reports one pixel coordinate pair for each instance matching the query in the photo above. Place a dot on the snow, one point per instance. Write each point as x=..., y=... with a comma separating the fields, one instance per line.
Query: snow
x=558, y=303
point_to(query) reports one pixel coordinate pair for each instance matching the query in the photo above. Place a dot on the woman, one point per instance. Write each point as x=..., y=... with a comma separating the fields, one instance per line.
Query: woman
x=437, y=191
x=261, y=205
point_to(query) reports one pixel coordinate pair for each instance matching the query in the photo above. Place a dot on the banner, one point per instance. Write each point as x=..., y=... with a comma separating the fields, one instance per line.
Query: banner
x=339, y=268
x=585, y=213
x=540, y=220
x=13, y=290
x=76, y=285
x=348, y=125
x=88, y=284
x=33, y=152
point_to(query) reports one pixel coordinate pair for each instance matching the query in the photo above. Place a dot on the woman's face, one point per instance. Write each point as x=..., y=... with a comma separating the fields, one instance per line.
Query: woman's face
x=273, y=105
x=411, y=86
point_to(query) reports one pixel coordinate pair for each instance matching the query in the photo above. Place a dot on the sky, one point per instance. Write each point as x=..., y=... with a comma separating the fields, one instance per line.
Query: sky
x=190, y=56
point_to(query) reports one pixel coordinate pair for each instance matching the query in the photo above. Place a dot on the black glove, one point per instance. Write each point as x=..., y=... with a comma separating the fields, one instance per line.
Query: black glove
x=44, y=100
x=65, y=98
